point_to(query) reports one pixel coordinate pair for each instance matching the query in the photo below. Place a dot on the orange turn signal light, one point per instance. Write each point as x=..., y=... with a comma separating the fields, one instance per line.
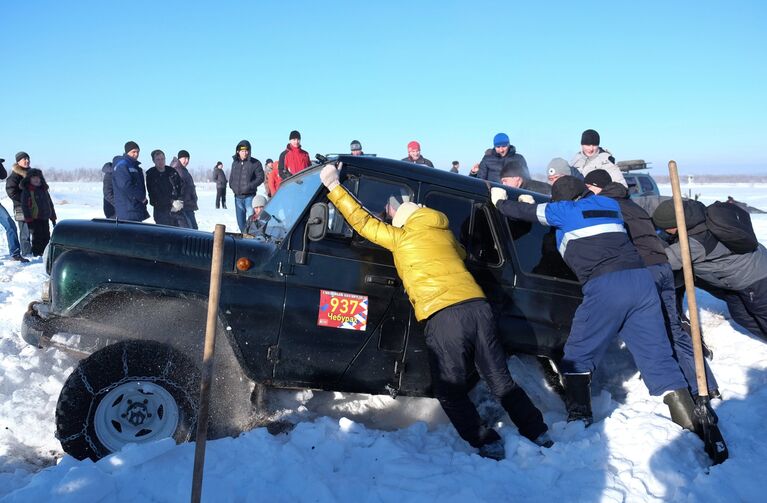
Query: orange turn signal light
x=244, y=263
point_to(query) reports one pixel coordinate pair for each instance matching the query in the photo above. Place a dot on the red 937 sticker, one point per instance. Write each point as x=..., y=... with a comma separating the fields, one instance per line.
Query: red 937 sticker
x=343, y=310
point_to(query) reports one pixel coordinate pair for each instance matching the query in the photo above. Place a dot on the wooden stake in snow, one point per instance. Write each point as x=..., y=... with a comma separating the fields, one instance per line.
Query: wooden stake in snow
x=207, y=360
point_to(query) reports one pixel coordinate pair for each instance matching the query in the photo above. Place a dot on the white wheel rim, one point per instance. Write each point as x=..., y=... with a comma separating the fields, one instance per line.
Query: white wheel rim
x=135, y=412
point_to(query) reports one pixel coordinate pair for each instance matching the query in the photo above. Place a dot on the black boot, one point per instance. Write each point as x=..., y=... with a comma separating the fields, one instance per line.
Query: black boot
x=681, y=407
x=578, y=397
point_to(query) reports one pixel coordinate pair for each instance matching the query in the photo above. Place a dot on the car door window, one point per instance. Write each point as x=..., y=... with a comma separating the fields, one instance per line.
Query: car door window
x=469, y=223
x=536, y=248
x=646, y=184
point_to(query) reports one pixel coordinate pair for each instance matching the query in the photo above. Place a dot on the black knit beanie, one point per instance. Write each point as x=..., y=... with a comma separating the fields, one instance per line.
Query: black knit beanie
x=183, y=153
x=567, y=188
x=131, y=145
x=590, y=137
x=294, y=135
x=598, y=178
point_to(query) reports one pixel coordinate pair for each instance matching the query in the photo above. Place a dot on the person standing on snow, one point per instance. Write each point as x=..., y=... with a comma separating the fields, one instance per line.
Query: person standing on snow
x=502, y=153
x=460, y=329
x=641, y=232
x=592, y=156
x=414, y=155
x=165, y=189
x=244, y=178
x=107, y=187
x=220, y=177
x=129, y=187
x=188, y=189
x=294, y=158
x=13, y=189
x=14, y=248
x=619, y=297
x=38, y=209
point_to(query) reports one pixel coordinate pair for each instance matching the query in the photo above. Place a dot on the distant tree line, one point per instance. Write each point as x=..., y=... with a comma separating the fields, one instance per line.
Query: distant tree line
x=714, y=178
x=200, y=174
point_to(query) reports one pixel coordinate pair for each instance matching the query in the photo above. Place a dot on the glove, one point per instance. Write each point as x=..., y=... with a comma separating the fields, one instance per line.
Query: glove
x=498, y=194
x=329, y=176
x=526, y=198
x=178, y=205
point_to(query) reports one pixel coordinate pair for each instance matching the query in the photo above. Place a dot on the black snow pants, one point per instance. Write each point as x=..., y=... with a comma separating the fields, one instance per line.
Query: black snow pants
x=459, y=339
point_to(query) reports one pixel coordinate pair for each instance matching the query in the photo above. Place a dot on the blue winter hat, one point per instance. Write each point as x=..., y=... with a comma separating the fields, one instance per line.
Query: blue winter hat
x=501, y=140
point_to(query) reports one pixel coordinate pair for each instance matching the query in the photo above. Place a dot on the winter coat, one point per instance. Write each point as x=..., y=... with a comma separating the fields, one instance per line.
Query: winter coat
x=273, y=181
x=603, y=159
x=163, y=187
x=220, y=177
x=292, y=161
x=492, y=164
x=712, y=261
x=421, y=160
x=13, y=189
x=245, y=176
x=638, y=224
x=36, y=202
x=129, y=190
x=108, y=188
x=428, y=258
x=590, y=233
x=3, y=172
x=188, y=189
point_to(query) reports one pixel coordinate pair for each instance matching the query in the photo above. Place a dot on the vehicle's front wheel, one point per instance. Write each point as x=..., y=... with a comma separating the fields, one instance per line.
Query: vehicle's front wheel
x=129, y=392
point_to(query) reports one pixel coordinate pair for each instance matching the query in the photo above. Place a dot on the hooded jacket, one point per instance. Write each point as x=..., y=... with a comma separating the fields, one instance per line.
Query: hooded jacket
x=492, y=164
x=13, y=189
x=428, y=258
x=129, y=190
x=638, y=224
x=247, y=175
x=603, y=159
x=712, y=261
x=36, y=202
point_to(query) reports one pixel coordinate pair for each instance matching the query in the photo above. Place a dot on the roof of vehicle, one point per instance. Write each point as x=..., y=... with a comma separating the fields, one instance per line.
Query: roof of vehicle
x=420, y=173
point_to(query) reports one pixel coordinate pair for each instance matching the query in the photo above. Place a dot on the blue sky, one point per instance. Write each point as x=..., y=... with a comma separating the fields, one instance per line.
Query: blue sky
x=658, y=80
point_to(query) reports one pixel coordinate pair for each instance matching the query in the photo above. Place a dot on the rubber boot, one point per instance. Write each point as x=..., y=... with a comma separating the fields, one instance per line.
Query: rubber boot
x=681, y=407
x=578, y=397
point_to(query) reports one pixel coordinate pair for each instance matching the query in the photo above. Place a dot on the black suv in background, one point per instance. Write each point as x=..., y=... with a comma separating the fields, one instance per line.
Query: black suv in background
x=306, y=303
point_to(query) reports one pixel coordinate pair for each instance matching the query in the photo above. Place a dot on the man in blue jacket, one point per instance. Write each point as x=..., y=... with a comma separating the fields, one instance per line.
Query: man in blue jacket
x=619, y=296
x=129, y=187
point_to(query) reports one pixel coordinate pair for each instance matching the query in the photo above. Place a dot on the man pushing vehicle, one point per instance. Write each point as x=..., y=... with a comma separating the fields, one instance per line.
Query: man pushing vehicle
x=460, y=328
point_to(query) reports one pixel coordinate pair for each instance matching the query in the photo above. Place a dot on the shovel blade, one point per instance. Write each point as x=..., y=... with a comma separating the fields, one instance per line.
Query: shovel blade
x=708, y=430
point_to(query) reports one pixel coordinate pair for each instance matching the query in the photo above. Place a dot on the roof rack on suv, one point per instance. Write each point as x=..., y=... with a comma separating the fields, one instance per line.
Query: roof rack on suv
x=633, y=165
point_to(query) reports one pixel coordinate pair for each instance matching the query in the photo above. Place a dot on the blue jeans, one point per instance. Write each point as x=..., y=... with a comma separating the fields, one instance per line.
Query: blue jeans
x=242, y=205
x=10, y=232
x=25, y=238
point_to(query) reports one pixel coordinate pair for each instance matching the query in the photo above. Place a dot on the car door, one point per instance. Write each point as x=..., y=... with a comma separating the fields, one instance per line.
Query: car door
x=346, y=316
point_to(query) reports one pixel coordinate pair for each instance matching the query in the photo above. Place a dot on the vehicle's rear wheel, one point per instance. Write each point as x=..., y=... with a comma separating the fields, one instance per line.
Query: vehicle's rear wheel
x=129, y=392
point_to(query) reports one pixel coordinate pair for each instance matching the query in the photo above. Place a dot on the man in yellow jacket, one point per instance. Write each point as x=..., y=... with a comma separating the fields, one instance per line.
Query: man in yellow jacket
x=460, y=329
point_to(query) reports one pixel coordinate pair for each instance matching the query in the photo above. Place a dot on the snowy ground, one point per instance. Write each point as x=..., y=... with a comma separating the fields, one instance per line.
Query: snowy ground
x=372, y=448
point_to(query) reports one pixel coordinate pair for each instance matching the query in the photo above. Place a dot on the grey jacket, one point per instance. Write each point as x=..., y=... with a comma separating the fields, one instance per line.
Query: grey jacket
x=721, y=267
x=602, y=160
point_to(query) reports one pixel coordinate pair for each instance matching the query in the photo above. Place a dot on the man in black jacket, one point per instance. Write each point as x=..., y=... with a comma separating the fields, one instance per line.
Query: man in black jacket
x=496, y=158
x=246, y=175
x=13, y=189
x=165, y=189
x=220, y=177
x=641, y=231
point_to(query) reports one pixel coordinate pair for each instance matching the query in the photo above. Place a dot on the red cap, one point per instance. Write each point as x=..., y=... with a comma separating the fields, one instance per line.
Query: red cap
x=414, y=145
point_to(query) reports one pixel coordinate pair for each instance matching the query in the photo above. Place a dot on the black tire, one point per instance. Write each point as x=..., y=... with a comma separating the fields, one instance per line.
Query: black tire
x=129, y=365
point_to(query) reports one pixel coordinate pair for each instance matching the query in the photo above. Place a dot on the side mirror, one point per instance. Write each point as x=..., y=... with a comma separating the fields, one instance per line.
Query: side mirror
x=317, y=225
x=315, y=229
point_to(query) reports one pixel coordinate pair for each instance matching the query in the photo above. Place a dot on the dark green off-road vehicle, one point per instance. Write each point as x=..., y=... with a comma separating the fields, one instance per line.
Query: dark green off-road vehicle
x=306, y=303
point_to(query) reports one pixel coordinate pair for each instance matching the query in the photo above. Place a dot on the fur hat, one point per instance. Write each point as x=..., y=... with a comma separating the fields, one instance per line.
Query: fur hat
x=512, y=167
x=404, y=212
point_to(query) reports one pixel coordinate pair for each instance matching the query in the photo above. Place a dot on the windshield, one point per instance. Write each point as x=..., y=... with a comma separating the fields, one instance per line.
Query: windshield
x=287, y=204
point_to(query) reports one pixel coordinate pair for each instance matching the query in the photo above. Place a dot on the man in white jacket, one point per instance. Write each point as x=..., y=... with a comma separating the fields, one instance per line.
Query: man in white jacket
x=592, y=157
